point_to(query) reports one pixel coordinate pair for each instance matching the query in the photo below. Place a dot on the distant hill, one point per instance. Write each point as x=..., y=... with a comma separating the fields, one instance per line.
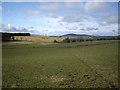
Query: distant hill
x=84, y=36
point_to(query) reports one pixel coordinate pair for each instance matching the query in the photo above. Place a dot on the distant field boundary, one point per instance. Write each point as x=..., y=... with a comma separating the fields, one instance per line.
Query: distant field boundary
x=69, y=46
x=89, y=45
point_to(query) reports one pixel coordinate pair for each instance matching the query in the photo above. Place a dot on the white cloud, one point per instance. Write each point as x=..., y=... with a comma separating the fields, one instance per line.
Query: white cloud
x=56, y=29
x=111, y=19
x=52, y=14
x=108, y=30
x=10, y=28
x=32, y=12
x=50, y=6
x=74, y=5
x=106, y=18
x=96, y=6
x=73, y=18
x=58, y=5
x=51, y=21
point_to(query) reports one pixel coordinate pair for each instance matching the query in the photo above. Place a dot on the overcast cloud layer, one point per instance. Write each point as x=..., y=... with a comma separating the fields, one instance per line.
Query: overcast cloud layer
x=43, y=18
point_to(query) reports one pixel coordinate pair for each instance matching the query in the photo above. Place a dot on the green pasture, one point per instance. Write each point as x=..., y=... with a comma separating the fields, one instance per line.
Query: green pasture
x=37, y=38
x=62, y=65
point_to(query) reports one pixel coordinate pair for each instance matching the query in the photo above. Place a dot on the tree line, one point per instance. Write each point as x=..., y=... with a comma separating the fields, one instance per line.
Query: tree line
x=70, y=40
x=10, y=36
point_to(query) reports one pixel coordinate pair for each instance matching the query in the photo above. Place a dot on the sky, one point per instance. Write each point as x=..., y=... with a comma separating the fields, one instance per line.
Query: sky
x=59, y=18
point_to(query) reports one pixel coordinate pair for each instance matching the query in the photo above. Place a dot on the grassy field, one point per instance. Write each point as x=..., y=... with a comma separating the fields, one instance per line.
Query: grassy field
x=64, y=65
x=37, y=38
x=34, y=39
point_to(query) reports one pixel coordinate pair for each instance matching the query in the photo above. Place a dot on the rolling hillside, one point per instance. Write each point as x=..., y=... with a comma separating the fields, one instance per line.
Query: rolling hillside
x=37, y=38
x=84, y=36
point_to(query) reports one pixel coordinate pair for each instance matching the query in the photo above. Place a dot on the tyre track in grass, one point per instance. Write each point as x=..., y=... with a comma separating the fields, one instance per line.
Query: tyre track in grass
x=111, y=83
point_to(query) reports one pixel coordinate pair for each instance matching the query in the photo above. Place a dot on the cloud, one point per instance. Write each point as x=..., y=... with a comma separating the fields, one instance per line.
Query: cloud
x=10, y=28
x=50, y=6
x=72, y=28
x=54, y=6
x=82, y=29
x=91, y=28
x=52, y=14
x=22, y=29
x=75, y=28
x=73, y=5
x=108, y=30
x=110, y=19
x=73, y=18
x=51, y=21
x=47, y=24
x=32, y=12
x=57, y=30
x=96, y=6
x=106, y=18
x=114, y=30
